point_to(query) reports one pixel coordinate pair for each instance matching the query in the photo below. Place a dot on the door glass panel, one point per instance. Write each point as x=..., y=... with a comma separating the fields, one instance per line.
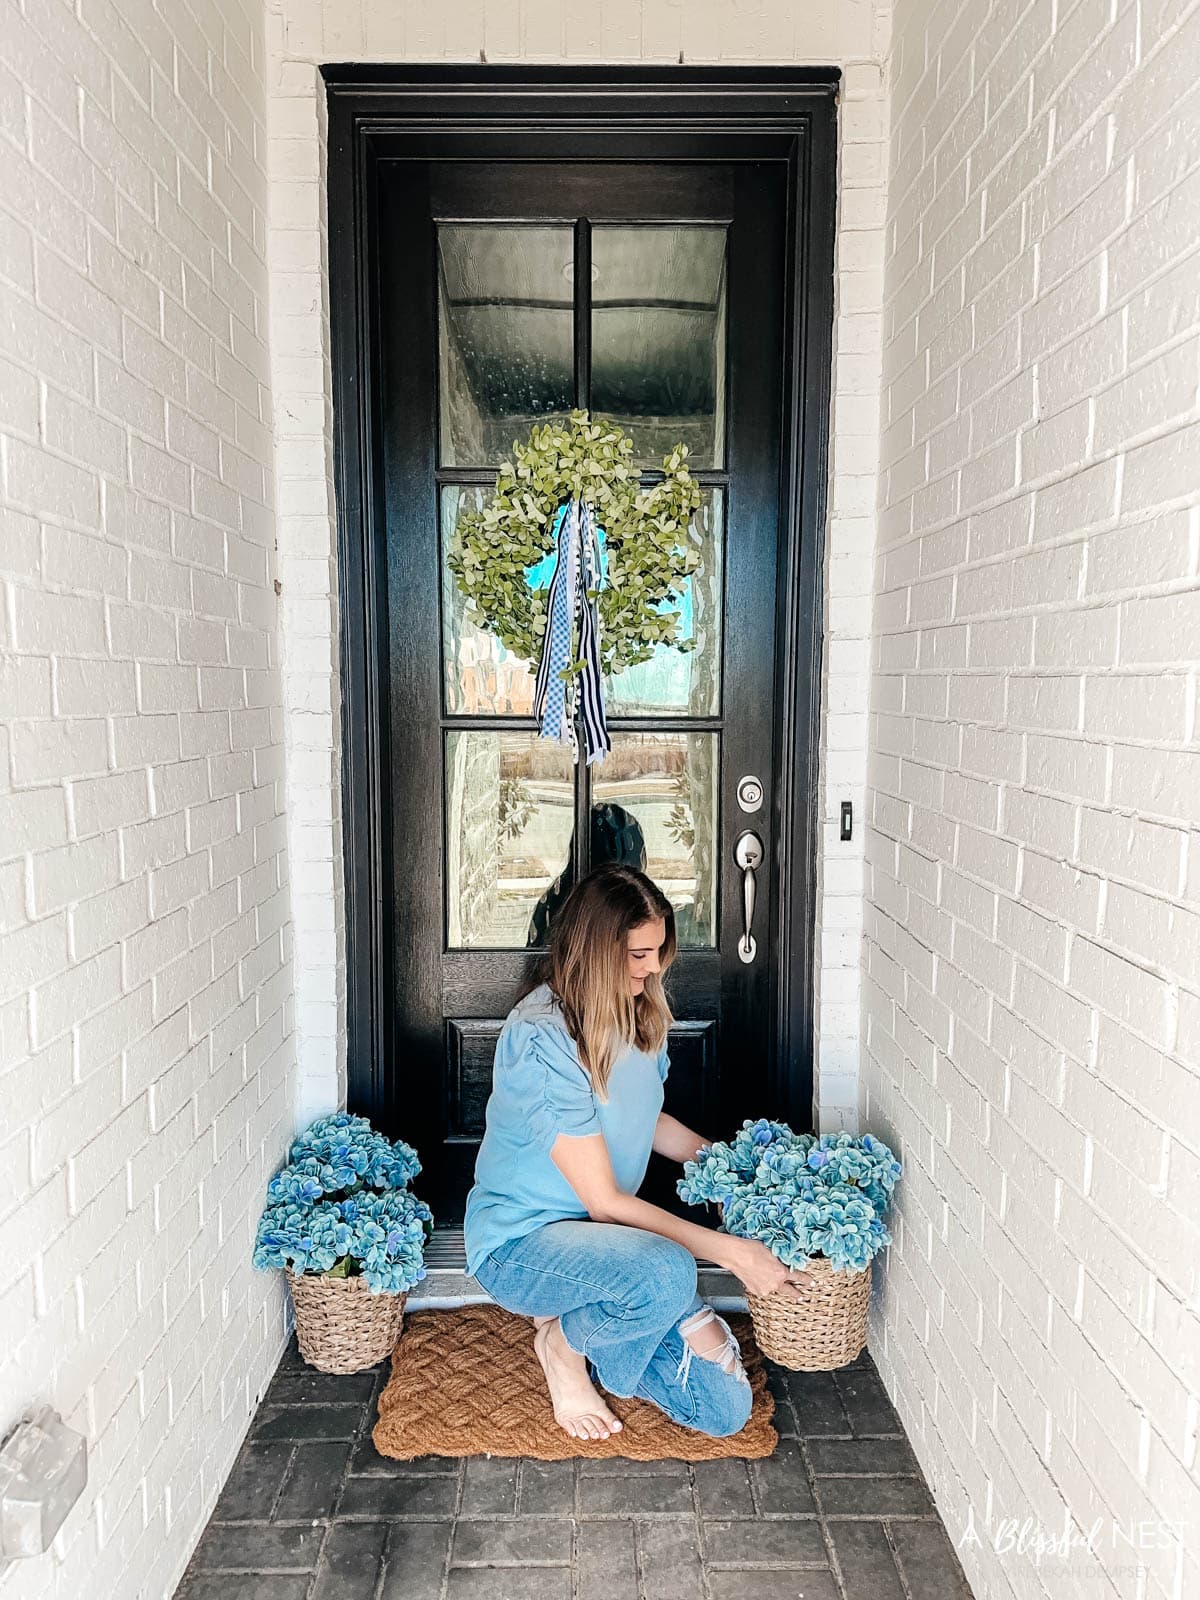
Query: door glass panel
x=510, y=800
x=506, y=337
x=665, y=784
x=481, y=675
x=658, y=337
x=675, y=680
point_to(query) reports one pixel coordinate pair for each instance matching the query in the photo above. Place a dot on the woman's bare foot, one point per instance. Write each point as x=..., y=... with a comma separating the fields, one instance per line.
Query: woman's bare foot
x=578, y=1408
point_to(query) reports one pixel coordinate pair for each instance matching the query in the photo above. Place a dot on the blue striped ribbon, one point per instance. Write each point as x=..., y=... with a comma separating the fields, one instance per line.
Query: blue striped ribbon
x=576, y=571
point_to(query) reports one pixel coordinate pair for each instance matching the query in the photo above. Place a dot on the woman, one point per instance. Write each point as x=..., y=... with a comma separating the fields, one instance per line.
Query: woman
x=553, y=1227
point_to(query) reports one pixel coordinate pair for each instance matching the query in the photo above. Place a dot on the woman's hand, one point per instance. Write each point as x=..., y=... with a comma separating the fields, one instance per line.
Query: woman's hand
x=760, y=1269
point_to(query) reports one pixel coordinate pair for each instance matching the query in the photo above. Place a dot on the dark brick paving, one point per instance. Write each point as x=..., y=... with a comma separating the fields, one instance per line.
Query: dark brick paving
x=311, y=1512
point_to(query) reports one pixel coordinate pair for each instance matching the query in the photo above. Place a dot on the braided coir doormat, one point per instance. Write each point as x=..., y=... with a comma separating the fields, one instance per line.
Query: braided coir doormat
x=466, y=1382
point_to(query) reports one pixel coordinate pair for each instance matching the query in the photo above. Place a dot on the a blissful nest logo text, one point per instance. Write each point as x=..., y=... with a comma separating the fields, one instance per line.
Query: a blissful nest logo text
x=1121, y=1549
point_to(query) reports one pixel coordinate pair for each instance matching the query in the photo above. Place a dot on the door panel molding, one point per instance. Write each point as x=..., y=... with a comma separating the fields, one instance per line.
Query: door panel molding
x=754, y=115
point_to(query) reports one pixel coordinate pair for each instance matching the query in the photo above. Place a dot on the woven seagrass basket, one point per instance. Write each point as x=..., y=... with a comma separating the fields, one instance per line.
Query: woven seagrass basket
x=340, y=1325
x=823, y=1328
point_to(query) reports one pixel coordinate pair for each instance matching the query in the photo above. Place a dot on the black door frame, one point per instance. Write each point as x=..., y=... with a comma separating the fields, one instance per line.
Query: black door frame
x=764, y=113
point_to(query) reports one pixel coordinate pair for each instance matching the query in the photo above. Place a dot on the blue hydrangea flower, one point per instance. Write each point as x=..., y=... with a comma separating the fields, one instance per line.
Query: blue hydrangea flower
x=342, y=1206
x=348, y=1151
x=799, y=1194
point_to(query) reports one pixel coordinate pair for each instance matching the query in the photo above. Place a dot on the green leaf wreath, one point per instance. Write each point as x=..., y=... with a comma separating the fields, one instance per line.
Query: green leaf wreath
x=650, y=545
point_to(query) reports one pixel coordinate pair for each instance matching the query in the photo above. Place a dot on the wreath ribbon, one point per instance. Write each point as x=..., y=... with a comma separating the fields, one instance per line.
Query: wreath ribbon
x=577, y=575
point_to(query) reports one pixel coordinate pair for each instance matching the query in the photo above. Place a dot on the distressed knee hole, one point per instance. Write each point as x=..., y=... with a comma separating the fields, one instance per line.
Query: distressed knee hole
x=711, y=1338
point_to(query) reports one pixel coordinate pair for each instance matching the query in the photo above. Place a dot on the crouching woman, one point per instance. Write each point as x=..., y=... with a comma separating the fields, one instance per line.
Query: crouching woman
x=554, y=1228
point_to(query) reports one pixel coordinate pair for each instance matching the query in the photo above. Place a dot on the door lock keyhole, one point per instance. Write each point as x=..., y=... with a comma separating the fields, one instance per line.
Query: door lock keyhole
x=750, y=793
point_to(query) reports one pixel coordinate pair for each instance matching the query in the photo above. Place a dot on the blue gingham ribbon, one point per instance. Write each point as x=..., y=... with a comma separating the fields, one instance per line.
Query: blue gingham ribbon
x=576, y=571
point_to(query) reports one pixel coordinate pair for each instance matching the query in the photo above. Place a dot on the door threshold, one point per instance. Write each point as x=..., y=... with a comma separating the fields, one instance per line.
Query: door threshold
x=447, y=1283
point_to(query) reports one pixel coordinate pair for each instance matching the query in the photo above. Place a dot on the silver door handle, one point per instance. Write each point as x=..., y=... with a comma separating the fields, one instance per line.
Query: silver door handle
x=748, y=853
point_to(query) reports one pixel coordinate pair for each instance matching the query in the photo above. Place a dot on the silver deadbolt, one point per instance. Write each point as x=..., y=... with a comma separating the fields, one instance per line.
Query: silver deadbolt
x=750, y=793
x=748, y=853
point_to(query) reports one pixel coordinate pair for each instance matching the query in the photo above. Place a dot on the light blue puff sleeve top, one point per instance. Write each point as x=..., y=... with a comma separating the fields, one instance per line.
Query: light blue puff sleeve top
x=540, y=1089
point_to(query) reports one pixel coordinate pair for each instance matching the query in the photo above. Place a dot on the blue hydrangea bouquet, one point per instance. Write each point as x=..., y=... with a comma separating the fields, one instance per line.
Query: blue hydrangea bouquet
x=342, y=1222
x=818, y=1203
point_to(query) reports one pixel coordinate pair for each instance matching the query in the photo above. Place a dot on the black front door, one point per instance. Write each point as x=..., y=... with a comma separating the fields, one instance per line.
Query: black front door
x=654, y=287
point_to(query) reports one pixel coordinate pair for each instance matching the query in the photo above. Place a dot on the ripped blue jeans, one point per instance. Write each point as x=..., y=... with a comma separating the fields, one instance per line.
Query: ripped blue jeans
x=620, y=1295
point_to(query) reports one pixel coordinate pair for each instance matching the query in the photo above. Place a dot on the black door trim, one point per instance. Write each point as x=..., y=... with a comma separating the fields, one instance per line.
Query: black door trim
x=755, y=113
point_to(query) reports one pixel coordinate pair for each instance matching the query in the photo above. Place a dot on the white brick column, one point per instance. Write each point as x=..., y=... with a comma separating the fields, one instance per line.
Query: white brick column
x=147, y=1059
x=1032, y=999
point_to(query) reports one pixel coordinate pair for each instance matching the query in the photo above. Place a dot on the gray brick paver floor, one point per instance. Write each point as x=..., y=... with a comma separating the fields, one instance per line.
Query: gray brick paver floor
x=312, y=1512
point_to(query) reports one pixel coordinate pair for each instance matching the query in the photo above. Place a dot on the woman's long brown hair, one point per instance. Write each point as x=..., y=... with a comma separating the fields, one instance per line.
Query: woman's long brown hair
x=587, y=969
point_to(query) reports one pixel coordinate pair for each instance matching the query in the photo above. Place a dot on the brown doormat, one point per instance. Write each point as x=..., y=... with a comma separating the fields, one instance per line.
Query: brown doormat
x=466, y=1382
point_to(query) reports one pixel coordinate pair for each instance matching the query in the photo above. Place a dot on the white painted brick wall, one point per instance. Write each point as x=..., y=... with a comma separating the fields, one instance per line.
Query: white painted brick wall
x=852, y=34
x=1031, y=1004
x=1031, y=1008
x=147, y=1054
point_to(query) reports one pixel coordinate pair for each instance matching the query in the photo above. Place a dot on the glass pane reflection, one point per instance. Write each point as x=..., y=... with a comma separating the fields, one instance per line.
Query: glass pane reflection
x=509, y=820
x=506, y=335
x=615, y=836
x=675, y=680
x=658, y=337
x=482, y=677
x=666, y=785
